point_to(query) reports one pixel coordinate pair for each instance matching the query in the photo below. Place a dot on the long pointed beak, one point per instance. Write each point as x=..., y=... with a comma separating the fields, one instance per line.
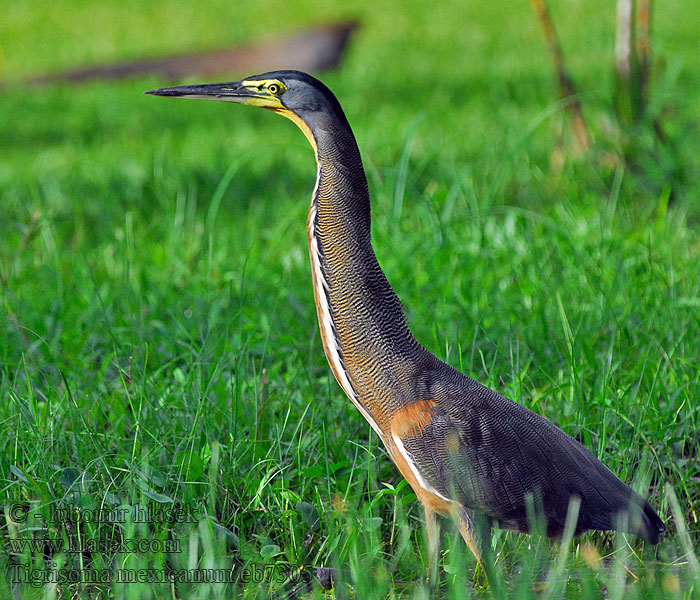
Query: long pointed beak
x=234, y=91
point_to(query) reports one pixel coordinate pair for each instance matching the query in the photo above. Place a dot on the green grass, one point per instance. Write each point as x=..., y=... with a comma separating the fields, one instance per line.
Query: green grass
x=158, y=339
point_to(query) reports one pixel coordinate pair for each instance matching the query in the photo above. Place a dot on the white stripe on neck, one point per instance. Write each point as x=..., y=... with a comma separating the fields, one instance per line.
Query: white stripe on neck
x=326, y=319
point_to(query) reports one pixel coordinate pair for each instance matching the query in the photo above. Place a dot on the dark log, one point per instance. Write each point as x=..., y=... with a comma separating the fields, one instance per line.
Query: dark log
x=314, y=49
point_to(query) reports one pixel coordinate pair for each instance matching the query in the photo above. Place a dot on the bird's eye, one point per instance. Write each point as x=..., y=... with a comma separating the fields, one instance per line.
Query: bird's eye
x=274, y=88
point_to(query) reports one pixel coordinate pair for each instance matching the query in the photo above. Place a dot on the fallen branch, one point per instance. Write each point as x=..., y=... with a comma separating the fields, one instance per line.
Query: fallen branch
x=315, y=49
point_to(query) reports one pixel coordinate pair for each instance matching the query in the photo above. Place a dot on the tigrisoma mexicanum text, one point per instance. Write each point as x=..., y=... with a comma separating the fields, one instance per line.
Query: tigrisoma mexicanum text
x=468, y=452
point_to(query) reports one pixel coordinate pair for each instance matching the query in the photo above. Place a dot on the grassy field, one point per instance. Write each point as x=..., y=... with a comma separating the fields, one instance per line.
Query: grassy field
x=159, y=350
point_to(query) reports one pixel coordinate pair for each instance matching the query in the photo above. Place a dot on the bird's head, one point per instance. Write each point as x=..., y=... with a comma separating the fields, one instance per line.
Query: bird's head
x=294, y=94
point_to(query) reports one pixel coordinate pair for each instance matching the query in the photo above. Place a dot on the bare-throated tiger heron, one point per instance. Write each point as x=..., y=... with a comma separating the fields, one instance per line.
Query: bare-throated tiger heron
x=466, y=451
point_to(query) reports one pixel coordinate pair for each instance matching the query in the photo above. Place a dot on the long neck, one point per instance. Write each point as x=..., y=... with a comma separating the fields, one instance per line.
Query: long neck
x=364, y=333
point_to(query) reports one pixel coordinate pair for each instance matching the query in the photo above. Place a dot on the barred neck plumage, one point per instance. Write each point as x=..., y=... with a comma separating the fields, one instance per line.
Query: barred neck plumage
x=364, y=332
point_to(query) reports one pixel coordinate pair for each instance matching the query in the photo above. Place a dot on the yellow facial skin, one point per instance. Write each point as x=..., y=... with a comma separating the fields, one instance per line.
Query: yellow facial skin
x=266, y=91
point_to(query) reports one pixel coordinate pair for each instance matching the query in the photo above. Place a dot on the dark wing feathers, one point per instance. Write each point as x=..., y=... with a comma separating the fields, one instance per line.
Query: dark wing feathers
x=489, y=453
